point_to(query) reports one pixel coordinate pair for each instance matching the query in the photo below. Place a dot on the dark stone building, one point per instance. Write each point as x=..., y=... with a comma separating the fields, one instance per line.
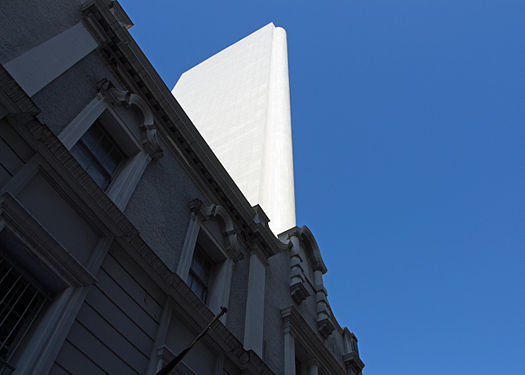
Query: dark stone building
x=121, y=233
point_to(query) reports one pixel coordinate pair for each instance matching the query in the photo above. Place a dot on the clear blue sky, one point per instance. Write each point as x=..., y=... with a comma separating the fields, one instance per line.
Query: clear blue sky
x=409, y=146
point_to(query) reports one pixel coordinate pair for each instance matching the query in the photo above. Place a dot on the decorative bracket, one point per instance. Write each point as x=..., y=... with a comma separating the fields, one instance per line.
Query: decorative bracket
x=298, y=289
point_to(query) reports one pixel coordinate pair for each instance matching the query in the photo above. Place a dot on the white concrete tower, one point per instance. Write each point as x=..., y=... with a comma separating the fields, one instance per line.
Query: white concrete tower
x=239, y=101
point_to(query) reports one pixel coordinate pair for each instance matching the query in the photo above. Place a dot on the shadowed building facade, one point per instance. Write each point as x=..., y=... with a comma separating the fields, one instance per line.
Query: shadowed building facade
x=126, y=221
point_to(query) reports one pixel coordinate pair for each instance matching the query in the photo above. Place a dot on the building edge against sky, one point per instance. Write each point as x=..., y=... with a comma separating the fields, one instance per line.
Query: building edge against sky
x=239, y=101
x=126, y=229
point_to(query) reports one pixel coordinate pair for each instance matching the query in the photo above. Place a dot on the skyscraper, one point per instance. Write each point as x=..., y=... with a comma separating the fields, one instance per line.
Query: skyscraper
x=122, y=234
x=239, y=101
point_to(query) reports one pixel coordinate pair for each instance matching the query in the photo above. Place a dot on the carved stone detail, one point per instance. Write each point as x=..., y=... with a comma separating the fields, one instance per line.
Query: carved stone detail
x=298, y=292
x=324, y=314
x=231, y=238
x=298, y=288
x=325, y=327
x=149, y=130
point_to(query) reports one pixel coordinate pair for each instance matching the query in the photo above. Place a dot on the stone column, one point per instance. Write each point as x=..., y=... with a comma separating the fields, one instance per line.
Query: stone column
x=289, y=352
x=254, y=320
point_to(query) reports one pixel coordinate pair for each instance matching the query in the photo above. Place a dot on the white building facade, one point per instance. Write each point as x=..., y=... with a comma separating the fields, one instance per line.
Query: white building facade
x=123, y=231
x=239, y=100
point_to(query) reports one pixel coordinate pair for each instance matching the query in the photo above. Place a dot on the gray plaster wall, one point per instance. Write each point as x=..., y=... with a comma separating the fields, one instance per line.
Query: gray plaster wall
x=334, y=343
x=66, y=96
x=308, y=310
x=28, y=23
x=159, y=207
x=64, y=222
x=115, y=328
x=237, y=306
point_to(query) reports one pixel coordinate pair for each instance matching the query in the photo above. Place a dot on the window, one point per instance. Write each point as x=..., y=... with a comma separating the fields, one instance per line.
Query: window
x=203, y=262
x=354, y=344
x=200, y=273
x=20, y=305
x=113, y=138
x=99, y=154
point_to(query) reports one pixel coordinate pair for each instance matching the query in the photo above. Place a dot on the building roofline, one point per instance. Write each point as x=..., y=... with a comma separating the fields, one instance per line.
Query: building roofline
x=131, y=65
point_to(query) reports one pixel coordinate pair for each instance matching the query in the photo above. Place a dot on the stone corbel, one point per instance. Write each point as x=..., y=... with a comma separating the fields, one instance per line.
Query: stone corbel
x=298, y=290
x=149, y=131
x=324, y=315
x=324, y=319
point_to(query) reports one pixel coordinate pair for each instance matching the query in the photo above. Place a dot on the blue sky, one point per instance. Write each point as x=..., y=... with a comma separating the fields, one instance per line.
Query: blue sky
x=408, y=122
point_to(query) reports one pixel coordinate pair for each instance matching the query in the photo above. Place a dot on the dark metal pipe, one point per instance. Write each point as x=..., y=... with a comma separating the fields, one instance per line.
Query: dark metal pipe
x=166, y=369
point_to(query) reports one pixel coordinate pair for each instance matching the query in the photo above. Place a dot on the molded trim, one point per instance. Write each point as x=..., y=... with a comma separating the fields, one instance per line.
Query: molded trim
x=36, y=68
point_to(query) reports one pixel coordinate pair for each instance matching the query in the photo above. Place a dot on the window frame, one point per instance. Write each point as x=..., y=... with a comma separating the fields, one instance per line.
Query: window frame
x=223, y=252
x=30, y=248
x=140, y=145
x=194, y=275
x=83, y=146
x=32, y=310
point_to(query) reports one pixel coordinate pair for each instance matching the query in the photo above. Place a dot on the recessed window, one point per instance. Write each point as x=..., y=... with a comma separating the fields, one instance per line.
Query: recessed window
x=98, y=154
x=205, y=266
x=20, y=305
x=200, y=274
